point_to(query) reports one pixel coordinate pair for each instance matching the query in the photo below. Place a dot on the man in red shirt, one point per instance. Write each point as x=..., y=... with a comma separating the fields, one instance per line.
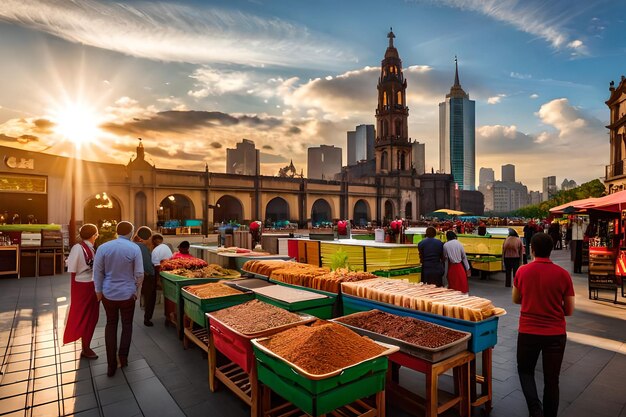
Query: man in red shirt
x=546, y=293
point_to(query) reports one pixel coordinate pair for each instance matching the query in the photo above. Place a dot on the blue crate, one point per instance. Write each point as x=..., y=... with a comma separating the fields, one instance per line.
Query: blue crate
x=484, y=333
x=192, y=222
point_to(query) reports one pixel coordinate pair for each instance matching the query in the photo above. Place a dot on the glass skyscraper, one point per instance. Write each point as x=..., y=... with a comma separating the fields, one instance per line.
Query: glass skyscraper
x=457, y=136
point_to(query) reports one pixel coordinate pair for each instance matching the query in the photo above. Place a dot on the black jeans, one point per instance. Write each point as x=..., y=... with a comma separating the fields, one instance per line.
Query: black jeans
x=114, y=310
x=510, y=266
x=148, y=290
x=552, y=349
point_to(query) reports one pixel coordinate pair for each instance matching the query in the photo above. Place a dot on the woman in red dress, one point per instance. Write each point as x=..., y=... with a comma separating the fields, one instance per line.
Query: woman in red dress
x=84, y=310
x=457, y=266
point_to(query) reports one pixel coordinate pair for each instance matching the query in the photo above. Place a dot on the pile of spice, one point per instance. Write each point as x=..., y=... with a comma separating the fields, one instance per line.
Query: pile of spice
x=255, y=316
x=209, y=271
x=323, y=347
x=211, y=290
x=408, y=329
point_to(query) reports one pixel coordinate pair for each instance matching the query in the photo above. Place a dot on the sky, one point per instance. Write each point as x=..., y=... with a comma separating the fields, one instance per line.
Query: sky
x=192, y=78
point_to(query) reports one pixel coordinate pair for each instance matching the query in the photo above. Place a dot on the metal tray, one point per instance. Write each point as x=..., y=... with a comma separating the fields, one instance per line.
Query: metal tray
x=425, y=353
x=249, y=283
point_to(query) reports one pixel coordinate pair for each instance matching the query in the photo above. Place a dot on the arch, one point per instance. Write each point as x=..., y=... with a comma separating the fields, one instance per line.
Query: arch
x=102, y=208
x=384, y=160
x=276, y=210
x=361, y=213
x=385, y=98
x=398, y=128
x=141, y=209
x=402, y=161
x=408, y=210
x=175, y=208
x=230, y=209
x=389, y=212
x=399, y=98
x=321, y=212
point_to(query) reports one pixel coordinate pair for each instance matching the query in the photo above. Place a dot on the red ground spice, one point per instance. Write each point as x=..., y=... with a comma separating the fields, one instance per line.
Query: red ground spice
x=323, y=347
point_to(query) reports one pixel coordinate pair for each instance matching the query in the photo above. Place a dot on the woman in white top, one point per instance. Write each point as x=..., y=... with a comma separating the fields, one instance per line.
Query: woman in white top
x=84, y=310
x=457, y=266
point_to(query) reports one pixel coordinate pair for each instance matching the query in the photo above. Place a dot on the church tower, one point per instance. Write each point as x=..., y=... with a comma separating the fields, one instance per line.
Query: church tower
x=393, y=146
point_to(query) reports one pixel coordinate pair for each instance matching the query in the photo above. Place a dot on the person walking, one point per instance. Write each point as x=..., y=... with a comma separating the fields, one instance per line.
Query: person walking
x=148, y=287
x=546, y=293
x=529, y=231
x=160, y=252
x=457, y=267
x=431, y=255
x=84, y=310
x=512, y=252
x=117, y=275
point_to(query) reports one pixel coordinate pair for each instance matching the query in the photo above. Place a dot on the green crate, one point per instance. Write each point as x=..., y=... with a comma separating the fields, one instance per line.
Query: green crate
x=398, y=272
x=196, y=308
x=321, y=308
x=321, y=396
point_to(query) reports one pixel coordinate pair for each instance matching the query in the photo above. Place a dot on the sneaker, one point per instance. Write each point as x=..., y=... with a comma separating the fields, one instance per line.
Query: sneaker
x=148, y=323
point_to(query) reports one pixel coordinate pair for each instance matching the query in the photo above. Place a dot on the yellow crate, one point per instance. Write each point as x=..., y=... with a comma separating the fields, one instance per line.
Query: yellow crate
x=354, y=252
x=391, y=258
x=493, y=266
x=414, y=278
x=482, y=245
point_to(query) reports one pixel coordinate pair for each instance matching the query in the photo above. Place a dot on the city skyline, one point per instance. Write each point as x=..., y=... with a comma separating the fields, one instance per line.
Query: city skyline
x=193, y=79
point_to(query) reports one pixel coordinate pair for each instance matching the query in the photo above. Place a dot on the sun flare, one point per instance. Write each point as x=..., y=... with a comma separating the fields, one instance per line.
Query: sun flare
x=77, y=122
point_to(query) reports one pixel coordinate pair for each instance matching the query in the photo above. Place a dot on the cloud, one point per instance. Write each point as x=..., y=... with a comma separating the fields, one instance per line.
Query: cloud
x=520, y=76
x=495, y=99
x=268, y=158
x=179, y=33
x=213, y=82
x=534, y=96
x=43, y=125
x=570, y=138
x=531, y=16
x=215, y=145
x=27, y=139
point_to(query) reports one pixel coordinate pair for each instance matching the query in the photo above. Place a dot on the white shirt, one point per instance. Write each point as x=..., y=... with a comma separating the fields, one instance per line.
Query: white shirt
x=454, y=252
x=76, y=263
x=160, y=253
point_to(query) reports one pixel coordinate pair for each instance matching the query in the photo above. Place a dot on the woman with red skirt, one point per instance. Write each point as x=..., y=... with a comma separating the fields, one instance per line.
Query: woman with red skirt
x=457, y=266
x=84, y=310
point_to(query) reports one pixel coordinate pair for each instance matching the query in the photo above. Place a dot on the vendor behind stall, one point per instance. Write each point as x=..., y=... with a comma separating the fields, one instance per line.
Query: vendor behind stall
x=183, y=251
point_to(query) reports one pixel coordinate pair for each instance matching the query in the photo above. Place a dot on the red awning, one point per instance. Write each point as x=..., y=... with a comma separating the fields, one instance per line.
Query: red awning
x=613, y=202
x=576, y=204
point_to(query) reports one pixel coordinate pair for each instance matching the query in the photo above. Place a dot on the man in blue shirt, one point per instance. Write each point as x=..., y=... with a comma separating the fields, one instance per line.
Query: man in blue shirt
x=117, y=275
x=431, y=257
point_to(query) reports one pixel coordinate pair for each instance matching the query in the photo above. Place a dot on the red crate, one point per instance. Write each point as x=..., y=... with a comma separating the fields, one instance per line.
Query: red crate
x=234, y=346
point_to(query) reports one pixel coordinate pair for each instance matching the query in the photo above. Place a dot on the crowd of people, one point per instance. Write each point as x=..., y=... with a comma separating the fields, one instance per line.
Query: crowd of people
x=116, y=275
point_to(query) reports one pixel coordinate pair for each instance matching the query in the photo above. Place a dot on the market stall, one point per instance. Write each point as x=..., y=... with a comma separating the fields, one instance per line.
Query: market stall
x=230, y=257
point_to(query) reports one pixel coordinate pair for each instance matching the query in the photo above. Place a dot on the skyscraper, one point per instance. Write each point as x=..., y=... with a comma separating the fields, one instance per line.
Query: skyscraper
x=323, y=162
x=508, y=173
x=549, y=187
x=419, y=157
x=486, y=176
x=245, y=159
x=457, y=147
x=361, y=144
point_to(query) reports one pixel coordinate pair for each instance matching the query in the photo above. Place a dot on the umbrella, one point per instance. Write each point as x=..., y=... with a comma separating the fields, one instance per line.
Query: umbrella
x=450, y=212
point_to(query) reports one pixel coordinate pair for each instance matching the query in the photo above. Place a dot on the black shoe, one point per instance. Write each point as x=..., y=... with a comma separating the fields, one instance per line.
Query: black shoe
x=148, y=323
x=111, y=370
x=88, y=354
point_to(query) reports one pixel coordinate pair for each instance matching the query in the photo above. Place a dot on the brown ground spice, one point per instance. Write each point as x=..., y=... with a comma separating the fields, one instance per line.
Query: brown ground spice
x=408, y=329
x=211, y=290
x=323, y=347
x=255, y=316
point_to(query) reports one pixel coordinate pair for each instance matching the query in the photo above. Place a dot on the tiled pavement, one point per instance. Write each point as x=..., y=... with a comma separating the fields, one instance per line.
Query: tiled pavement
x=42, y=378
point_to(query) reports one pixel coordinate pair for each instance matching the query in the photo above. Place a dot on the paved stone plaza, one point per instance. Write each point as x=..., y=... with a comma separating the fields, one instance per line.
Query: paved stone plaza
x=42, y=378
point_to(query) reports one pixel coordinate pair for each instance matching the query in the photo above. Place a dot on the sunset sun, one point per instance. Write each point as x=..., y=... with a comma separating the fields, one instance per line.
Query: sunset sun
x=77, y=122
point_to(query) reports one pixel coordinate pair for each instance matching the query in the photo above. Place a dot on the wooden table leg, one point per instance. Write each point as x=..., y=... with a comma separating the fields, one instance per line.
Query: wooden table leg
x=432, y=381
x=487, y=375
x=213, y=384
x=254, y=393
x=380, y=404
